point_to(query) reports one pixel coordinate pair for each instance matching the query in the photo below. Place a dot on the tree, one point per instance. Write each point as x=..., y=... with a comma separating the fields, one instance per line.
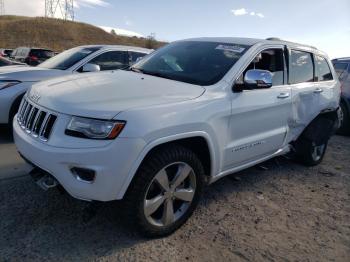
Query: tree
x=113, y=32
x=151, y=41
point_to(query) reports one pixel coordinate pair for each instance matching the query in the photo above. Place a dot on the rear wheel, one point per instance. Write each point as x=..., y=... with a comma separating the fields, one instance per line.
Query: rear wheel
x=165, y=191
x=344, y=120
x=309, y=153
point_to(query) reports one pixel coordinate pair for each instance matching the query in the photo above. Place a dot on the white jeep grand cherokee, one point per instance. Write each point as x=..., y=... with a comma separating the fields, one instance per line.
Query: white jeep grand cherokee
x=189, y=114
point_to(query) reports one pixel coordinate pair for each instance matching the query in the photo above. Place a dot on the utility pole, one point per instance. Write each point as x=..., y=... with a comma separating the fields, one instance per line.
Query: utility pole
x=2, y=7
x=62, y=8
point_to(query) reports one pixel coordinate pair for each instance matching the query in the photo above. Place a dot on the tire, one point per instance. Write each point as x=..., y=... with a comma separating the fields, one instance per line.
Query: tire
x=310, y=154
x=150, y=196
x=344, y=128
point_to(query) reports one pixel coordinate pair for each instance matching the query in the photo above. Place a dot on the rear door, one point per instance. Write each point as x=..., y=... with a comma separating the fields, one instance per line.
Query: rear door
x=259, y=120
x=324, y=81
x=305, y=94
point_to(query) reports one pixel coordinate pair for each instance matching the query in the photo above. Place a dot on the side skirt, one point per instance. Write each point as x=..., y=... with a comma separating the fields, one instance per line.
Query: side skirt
x=279, y=152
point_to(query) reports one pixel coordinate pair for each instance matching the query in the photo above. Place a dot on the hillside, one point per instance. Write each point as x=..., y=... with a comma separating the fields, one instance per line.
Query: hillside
x=58, y=35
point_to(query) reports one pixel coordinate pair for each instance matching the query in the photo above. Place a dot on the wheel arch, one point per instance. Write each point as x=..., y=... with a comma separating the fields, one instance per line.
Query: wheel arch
x=15, y=104
x=194, y=141
x=321, y=128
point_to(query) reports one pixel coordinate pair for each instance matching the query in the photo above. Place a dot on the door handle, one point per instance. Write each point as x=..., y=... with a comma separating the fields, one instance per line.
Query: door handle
x=318, y=90
x=283, y=95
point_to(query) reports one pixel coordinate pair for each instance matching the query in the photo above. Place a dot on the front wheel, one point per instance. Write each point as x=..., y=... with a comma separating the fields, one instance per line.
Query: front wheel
x=165, y=191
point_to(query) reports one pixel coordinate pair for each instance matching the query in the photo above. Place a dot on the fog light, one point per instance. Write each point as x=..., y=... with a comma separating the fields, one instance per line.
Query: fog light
x=83, y=174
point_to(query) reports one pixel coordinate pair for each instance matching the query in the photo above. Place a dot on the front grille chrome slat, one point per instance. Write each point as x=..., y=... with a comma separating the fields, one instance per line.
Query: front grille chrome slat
x=29, y=118
x=20, y=109
x=23, y=112
x=43, y=127
x=35, y=121
x=26, y=114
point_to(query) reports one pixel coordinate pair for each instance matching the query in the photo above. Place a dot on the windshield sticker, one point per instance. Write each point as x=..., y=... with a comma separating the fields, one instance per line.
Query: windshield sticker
x=231, y=48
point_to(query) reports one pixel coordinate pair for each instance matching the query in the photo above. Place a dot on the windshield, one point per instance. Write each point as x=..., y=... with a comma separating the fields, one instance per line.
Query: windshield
x=68, y=58
x=194, y=62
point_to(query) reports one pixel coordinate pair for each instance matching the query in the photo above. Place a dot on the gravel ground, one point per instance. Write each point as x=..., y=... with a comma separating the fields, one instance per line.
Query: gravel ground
x=279, y=212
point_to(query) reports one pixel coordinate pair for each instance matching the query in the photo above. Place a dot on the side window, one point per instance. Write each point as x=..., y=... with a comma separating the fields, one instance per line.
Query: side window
x=24, y=52
x=340, y=69
x=323, y=72
x=134, y=56
x=301, y=68
x=111, y=60
x=271, y=60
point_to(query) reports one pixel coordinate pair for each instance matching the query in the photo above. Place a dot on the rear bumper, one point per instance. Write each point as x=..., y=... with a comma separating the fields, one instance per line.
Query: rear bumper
x=111, y=164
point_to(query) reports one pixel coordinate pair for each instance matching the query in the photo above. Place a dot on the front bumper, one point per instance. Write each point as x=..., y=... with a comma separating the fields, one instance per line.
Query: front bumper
x=111, y=163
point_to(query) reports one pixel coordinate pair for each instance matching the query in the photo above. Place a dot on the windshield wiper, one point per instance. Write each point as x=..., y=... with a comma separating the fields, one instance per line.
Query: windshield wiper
x=135, y=70
x=158, y=75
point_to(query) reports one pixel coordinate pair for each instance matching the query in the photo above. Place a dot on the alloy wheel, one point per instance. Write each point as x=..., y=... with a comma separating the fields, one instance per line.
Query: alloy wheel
x=170, y=194
x=318, y=152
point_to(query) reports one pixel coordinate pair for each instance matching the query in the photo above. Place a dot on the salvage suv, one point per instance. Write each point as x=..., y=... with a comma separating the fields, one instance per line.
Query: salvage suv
x=185, y=116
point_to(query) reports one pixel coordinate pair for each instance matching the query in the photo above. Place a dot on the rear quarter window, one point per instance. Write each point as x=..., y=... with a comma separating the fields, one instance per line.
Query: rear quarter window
x=323, y=71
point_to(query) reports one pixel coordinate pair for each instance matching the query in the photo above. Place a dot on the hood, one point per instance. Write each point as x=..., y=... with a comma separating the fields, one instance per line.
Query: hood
x=104, y=95
x=28, y=73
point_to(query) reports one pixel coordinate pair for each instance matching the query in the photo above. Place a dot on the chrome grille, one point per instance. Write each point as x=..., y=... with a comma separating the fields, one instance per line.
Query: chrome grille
x=39, y=123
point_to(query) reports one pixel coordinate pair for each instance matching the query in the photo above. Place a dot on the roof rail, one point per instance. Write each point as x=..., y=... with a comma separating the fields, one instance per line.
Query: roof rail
x=273, y=39
x=279, y=39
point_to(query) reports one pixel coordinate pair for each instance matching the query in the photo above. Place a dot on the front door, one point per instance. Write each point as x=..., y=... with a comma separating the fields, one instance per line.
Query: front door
x=259, y=120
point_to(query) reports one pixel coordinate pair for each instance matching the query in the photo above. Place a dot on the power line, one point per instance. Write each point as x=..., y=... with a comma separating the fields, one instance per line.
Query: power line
x=60, y=8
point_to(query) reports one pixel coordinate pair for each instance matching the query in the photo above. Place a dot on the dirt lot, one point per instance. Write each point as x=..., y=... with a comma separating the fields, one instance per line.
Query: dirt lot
x=285, y=213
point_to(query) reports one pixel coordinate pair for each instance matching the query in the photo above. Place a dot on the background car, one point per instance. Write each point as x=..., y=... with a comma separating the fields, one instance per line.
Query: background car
x=342, y=67
x=5, y=52
x=31, y=56
x=7, y=62
x=15, y=81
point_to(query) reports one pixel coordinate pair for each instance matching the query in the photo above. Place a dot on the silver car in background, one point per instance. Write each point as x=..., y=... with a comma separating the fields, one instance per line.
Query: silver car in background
x=15, y=80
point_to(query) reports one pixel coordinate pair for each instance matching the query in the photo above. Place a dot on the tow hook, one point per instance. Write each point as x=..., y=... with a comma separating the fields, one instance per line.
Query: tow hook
x=43, y=179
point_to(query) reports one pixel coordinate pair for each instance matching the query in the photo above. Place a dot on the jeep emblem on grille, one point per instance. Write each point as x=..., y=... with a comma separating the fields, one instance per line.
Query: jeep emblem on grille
x=35, y=97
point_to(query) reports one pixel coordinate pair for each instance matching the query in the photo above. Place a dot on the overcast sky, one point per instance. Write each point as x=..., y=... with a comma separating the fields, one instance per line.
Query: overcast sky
x=322, y=23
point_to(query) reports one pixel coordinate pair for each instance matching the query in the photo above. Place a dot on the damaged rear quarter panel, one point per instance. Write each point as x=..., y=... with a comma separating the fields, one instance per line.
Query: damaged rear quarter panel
x=308, y=104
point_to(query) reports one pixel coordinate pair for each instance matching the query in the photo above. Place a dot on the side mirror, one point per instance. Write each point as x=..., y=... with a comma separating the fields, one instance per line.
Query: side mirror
x=256, y=78
x=91, y=68
x=253, y=79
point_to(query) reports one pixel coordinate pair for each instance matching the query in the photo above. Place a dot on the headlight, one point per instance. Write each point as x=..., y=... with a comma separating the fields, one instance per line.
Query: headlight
x=6, y=84
x=93, y=128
